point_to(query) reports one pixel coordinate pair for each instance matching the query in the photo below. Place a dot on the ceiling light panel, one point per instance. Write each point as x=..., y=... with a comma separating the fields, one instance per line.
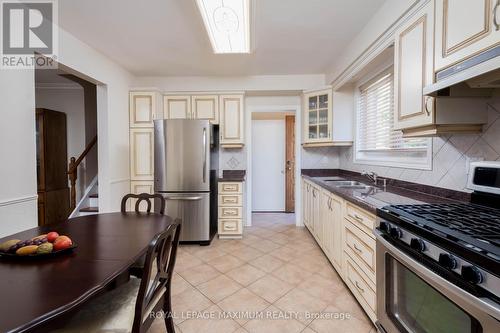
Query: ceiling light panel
x=227, y=23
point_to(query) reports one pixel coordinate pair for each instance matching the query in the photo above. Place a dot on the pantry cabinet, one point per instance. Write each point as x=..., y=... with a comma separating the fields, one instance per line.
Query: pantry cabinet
x=142, y=154
x=231, y=121
x=413, y=70
x=142, y=109
x=465, y=28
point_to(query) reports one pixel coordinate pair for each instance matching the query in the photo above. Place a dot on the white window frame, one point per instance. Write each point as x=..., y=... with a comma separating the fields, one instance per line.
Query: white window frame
x=420, y=159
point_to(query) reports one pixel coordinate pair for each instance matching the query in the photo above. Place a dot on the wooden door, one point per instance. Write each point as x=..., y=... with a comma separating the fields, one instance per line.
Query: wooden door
x=142, y=109
x=177, y=107
x=290, y=164
x=205, y=107
x=231, y=120
x=413, y=70
x=465, y=28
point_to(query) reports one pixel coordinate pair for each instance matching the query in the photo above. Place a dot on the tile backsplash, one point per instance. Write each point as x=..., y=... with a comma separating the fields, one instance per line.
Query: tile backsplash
x=451, y=155
x=320, y=158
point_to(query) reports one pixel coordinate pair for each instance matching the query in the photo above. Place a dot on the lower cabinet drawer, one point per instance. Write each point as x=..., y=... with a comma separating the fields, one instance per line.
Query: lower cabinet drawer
x=230, y=200
x=361, y=247
x=230, y=212
x=230, y=226
x=360, y=286
x=365, y=220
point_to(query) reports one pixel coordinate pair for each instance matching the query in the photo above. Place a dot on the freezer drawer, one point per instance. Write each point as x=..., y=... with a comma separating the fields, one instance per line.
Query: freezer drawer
x=194, y=211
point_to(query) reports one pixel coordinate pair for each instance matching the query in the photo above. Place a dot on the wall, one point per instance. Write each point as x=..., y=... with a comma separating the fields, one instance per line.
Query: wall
x=70, y=101
x=18, y=209
x=450, y=156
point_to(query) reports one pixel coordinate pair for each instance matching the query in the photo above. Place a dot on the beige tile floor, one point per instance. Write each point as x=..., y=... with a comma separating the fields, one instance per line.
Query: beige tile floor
x=249, y=285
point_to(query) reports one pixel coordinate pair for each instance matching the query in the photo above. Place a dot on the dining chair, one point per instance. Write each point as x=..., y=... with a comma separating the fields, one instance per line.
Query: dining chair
x=116, y=311
x=144, y=197
x=138, y=267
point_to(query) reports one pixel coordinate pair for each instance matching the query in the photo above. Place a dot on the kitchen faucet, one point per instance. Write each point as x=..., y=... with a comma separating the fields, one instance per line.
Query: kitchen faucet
x=371, y=175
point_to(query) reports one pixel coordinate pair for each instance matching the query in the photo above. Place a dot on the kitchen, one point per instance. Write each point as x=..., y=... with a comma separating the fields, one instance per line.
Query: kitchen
x=353, y=188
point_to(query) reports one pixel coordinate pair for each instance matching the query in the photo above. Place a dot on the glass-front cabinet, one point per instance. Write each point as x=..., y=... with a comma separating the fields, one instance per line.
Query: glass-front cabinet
x=318, y=116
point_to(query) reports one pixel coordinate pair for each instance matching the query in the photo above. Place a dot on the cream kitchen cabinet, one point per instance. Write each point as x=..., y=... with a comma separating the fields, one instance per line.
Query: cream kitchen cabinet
x=418, y=115
x=413, y=70
x=141, y=154
x=230, y=224
x=138, y=187
x=317, y=117
x=142, y=108
x=205, y=107
x=315, y=213
x=231, y=121
x=176, y=107
x=331, y=228
x=465, y=28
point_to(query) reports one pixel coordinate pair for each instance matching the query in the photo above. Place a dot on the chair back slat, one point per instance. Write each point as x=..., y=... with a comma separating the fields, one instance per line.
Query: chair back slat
x=158, y=198
x=157, y=277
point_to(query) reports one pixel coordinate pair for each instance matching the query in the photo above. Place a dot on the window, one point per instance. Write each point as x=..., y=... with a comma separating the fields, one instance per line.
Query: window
x=377, y=141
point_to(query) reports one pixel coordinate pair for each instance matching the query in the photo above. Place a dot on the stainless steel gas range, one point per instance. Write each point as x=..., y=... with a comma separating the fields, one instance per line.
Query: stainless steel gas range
x=438, y=265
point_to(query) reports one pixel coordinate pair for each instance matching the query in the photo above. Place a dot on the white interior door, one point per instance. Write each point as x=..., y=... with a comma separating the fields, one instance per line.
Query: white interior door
x=268, y=163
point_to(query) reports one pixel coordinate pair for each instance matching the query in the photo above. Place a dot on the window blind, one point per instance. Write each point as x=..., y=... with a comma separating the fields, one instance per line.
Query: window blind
x=376, y=118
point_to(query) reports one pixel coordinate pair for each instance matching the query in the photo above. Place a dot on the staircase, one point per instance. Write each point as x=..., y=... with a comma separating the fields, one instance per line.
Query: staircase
x=93, y=205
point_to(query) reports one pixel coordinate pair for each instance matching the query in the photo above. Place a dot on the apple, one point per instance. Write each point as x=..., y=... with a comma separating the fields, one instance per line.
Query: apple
x=61, y=238
x=62, y=244
x=52, y=236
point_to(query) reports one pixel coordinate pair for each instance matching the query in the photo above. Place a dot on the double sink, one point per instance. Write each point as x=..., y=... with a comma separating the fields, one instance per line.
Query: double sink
x=347, y=184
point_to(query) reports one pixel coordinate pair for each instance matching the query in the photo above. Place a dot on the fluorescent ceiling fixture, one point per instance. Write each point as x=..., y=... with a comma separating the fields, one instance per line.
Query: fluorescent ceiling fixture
x=227, y=23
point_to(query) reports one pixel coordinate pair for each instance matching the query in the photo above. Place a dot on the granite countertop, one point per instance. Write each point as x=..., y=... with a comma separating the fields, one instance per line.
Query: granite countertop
x=379, y=197
x=233, y=176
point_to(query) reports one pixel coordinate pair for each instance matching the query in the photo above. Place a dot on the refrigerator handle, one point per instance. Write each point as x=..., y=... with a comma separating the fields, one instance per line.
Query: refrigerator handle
x=204, y=155
x=184, y=198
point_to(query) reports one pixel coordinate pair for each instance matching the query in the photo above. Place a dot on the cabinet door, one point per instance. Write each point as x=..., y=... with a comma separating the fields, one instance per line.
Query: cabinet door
x=231, y=120
x=205, y=107
x=177, y=107
x=326, y=224
x=138, y=187
x=318, y=116
x=315, y=208
x=465, y=28
x=305, y=200
x=337, y=230
x=413, y=70
x=141, y=154
x=142, y=106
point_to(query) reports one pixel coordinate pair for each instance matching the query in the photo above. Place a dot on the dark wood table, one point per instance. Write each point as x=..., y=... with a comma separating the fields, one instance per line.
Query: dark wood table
x=36, y=293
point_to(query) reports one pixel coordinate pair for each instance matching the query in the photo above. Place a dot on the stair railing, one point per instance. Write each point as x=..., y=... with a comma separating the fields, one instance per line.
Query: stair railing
x=73, y=171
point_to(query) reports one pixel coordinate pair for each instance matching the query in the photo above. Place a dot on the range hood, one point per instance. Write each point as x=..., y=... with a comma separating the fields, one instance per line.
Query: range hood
x=474, y=77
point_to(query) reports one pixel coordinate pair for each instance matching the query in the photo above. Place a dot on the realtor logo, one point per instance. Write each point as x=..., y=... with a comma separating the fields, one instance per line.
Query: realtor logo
x=29, y=37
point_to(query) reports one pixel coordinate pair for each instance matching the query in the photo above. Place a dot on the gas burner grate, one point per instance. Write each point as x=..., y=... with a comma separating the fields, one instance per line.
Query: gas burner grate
x=479, y=222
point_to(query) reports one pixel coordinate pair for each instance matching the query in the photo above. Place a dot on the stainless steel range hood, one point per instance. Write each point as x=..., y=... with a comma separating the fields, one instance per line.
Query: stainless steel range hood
x=474, y=77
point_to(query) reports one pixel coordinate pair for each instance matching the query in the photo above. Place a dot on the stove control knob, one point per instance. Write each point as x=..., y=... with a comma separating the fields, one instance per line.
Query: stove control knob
x=417, y=244
x=384, y=226
x=396, y=233
x=448, y=261
x=472, y=274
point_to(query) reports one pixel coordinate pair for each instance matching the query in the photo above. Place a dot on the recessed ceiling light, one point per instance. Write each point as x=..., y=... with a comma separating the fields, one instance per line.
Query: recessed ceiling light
x=227, y=23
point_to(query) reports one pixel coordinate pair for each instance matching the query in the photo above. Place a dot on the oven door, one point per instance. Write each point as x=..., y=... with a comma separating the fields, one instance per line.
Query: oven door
x=411, y=298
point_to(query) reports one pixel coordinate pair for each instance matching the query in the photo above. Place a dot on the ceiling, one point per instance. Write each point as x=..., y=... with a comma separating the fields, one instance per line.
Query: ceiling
x=168, y=38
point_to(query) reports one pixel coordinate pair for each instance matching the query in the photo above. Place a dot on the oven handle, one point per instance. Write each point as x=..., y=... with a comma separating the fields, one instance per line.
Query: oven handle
x=479, y=303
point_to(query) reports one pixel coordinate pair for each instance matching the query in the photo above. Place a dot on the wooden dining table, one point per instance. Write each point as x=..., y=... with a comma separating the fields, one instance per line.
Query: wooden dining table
x=36, y=294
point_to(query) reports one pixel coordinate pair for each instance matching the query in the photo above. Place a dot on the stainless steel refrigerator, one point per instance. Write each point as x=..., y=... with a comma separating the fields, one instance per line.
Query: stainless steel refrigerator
x=186, y=170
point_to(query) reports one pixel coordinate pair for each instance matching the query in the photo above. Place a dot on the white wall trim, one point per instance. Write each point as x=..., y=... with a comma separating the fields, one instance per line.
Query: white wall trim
x=298, y=160
x=119, y=180
x=18, y=200
x=385, y=40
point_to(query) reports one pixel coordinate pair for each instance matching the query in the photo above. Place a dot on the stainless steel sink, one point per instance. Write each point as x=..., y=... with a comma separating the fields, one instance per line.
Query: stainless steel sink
x=341, y=183
x=358, y=187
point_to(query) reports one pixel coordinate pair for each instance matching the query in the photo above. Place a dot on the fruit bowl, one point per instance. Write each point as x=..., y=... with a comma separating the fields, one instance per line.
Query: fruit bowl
x=46, y=245
x=38, y=255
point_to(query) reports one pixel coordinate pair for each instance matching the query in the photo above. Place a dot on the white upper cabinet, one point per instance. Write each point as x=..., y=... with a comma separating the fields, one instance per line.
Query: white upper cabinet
x=176, y=107
x=142, y=106
x=465, y=28
x=413, y=70
x=318, y=116
x=231, y=121
x=205, y=107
